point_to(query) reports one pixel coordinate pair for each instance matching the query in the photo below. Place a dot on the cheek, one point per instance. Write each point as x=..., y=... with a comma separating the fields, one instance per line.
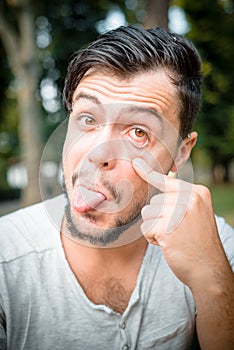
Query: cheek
x=133, y=180
x=163, y=159
x=164, y=162
x=133, y=190
x=74, y=150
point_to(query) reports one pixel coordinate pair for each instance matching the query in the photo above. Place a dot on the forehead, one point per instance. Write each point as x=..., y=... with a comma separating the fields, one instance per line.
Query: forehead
x=153, y=90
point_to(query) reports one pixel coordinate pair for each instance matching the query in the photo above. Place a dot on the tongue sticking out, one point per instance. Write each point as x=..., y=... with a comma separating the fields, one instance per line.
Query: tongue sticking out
x=85, y=200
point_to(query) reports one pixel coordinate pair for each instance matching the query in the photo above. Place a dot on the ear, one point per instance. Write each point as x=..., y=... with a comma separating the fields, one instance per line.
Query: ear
x=184, y=151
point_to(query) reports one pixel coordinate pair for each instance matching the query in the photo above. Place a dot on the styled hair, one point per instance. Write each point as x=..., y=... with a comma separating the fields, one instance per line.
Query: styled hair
x=129, y=50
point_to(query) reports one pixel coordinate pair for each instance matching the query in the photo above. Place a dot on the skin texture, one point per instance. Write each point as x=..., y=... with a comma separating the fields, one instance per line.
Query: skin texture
x=104, y=148
x=192, y=248
x=104, y=153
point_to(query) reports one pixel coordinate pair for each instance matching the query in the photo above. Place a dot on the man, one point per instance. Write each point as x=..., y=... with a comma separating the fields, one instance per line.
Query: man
x=137, y=259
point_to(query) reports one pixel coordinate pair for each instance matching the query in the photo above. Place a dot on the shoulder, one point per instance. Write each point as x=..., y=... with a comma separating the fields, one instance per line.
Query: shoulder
x=27, y=230
x=226, y=234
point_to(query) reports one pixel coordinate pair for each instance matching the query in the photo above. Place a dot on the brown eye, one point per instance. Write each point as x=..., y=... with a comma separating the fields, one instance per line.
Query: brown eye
x=139, y=132
x=138, y=136
x=89, y=120
x=86, y=121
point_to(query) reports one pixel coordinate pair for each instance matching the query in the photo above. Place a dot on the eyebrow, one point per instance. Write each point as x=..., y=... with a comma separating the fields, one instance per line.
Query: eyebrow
x=128, y=109
x=139, y=109
x=91, y=98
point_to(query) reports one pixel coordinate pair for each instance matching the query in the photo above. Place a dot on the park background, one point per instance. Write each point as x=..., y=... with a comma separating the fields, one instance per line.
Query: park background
x=38, y=37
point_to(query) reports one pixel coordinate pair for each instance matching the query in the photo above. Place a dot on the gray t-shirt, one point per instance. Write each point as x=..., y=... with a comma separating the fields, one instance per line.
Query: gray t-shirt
x=42, y=305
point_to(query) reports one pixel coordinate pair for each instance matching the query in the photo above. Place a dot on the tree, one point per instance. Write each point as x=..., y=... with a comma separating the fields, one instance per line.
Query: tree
x=156, y=13
x=18, y=40
x=212, y=24
x=69, y=26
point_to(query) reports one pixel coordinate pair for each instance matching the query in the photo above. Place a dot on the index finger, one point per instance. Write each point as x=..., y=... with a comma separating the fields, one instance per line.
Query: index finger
x=160, y=181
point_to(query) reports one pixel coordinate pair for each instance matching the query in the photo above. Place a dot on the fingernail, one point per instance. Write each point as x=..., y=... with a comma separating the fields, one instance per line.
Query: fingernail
x=141, y=165
x=137, y=162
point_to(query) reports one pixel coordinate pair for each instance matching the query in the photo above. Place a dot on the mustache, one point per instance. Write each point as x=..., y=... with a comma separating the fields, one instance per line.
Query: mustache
x=101, y=181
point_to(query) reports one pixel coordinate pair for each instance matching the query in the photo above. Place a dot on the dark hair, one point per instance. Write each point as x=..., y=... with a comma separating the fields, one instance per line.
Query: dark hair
x=129, y=50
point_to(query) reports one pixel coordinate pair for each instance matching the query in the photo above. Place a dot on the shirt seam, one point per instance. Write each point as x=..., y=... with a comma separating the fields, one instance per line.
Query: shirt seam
x=26, y=255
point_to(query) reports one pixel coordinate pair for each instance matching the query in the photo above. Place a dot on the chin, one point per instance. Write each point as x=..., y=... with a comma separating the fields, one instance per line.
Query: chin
x=88, y=230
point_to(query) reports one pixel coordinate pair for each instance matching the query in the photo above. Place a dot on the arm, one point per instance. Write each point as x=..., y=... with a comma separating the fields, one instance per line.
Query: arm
x=214, y=297
x=181, y=221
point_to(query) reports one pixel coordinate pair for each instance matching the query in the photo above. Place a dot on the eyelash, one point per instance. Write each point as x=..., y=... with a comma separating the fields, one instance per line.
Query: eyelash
x=82, y=118
x=136, y=142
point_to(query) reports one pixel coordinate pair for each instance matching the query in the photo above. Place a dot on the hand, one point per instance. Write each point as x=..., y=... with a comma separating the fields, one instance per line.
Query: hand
x=180, y=219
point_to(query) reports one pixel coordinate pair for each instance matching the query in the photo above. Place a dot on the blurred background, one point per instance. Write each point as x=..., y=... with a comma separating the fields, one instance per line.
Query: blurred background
x=37, y=38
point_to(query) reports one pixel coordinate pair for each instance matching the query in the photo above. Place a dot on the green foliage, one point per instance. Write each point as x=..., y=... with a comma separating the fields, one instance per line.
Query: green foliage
x=61, y=28
x=212, y=24
x=223, y=201
x=70, y=25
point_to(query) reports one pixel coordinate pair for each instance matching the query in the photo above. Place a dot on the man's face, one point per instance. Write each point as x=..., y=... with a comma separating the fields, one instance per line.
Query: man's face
x=112, y=122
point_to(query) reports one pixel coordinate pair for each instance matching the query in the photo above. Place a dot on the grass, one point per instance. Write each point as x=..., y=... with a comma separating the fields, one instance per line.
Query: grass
x=223, y=201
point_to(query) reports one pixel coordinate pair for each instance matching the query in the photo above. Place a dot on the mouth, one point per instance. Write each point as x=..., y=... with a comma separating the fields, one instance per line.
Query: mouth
x=86, y=199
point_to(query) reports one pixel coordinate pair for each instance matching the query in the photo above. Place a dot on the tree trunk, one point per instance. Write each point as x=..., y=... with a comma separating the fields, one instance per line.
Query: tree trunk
x=226, y=177
x=156, y=13
x=22, y=57
x=29, y=136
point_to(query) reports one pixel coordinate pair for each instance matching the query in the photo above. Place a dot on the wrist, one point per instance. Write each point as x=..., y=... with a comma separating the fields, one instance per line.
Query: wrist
x=212, y=281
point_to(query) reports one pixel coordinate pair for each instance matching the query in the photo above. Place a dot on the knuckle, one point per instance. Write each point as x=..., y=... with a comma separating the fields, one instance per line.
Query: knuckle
x=144, y=211
x=154, y=199
x=204, y=192
x=159, y=198
x=195, y=198
x=200, y=194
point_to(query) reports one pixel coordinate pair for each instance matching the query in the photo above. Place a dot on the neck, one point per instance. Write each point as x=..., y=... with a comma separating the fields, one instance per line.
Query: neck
x=108, y=276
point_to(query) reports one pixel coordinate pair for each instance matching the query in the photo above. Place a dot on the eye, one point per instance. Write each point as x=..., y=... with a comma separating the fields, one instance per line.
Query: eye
x=86, y=120
x=139, y=136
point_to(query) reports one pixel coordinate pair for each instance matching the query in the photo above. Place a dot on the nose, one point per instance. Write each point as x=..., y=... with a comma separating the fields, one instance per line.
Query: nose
x=106, y=151
x=104, y=154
